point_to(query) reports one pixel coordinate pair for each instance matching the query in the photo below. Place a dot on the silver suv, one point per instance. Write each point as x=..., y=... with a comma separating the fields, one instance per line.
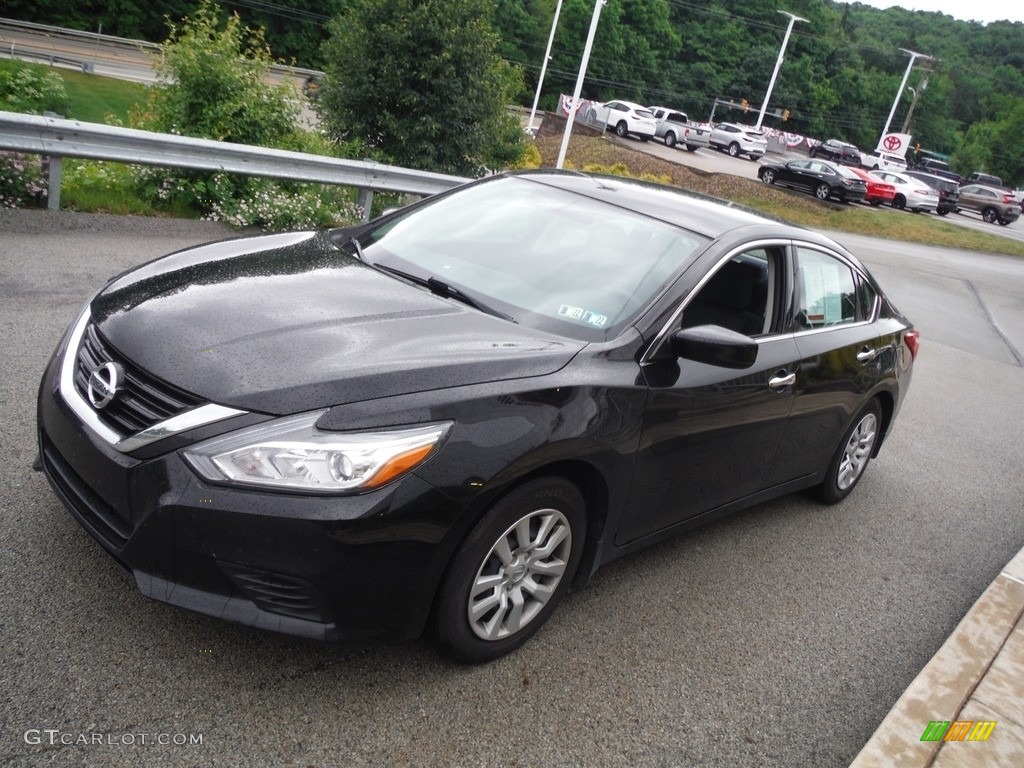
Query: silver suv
x=739, y=140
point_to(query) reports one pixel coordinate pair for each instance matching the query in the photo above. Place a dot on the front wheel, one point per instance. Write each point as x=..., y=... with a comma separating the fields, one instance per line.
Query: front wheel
x=852, y=457
x=990, y=215
x=510, y=573
x=734, y=150
x=1004, y=222
x=768, y=176
x=822, y=192
x=942, y=211
x=875, y=202
x=621, y=129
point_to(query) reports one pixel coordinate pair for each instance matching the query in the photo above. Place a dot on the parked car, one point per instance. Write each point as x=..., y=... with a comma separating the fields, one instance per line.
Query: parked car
x=837, y=151
x=626, y=119
x=985, y=179
x=878, y=191
x=439, y=420
x=994, y=205
x=911, y=194
x=937, y=167
x=947, y=189
x=885, y=161
x=817, y=177
x=738, y=140
x=674, y=127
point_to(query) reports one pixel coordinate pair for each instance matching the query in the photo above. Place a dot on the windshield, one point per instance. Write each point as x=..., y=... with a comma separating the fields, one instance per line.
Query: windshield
x=540, y=255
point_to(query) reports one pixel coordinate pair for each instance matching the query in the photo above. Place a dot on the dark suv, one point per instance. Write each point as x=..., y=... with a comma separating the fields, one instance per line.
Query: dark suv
x=837, y=151
x=937, y=167
x=949, y=191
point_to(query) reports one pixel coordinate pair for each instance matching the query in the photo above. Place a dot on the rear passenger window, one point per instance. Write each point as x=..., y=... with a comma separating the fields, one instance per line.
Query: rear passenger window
x=826, y=292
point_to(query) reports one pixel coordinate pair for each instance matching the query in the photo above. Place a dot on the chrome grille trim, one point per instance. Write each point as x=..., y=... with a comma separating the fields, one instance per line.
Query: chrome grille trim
x=182, y=422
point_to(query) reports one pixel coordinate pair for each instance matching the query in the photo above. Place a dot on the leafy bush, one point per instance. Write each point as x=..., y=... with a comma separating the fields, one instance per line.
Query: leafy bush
x=22, y=181
x=32, y=89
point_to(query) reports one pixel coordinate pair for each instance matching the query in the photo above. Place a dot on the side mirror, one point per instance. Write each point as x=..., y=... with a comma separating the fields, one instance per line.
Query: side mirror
x=715, y=345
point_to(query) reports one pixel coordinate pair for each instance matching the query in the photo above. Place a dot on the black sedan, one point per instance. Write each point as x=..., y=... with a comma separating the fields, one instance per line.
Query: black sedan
x=441, y=420
x=837, y=151
x=820, y=178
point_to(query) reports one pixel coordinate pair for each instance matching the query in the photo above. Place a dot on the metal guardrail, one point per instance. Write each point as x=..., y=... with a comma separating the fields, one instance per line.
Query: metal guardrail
x=57, y=138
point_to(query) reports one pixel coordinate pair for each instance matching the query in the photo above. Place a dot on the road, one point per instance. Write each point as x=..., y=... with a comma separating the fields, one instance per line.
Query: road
x=778, y=637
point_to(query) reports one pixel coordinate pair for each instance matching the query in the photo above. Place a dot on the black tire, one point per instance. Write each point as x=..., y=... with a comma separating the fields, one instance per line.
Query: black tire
x=822, y=192
x=990, y=215
x=876, y=202
x=899, y=202
x=692, y=147
x=645, y=138
x=621, y=129
x=852, y=456
x=734, y=150
x=670, y=139
x=1004, y=222
x=768, y=176
x=942, y=211
x=553, y=510
x=813, y=153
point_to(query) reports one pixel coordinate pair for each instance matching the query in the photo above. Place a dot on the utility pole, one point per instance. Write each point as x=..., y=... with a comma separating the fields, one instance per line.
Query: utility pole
x=579, y=83
x=544, y=67
x=778, y=64
x=913, y=56
x=913, y=103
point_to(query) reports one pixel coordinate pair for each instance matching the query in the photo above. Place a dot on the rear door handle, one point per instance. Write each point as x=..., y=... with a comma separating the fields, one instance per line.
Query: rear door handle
x=782, y=379
x=866, y=355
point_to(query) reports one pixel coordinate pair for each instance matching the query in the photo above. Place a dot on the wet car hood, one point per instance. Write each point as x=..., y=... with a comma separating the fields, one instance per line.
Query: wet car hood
x=286, y=323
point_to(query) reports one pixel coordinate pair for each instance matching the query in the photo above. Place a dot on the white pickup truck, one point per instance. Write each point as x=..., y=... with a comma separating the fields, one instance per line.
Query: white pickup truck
x=674, y=127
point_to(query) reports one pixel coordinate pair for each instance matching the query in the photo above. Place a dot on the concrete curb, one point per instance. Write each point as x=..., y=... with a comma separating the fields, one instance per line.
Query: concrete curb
x=977, y=674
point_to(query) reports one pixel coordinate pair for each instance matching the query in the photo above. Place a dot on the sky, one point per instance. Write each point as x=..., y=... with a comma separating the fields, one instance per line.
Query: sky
x=965, y=10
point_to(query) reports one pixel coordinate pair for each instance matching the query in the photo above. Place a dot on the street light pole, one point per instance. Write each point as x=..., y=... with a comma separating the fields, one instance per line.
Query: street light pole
x=778, y=65
x=899, y=92
x=544, y=67
x=579, y=83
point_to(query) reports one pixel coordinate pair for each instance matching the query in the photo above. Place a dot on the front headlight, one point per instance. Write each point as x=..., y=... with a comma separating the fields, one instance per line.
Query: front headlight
x=292, y=454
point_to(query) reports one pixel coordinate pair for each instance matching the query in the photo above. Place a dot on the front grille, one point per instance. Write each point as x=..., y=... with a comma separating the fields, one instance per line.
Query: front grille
x=102, y=520
x=144, y=401
x=276, y=593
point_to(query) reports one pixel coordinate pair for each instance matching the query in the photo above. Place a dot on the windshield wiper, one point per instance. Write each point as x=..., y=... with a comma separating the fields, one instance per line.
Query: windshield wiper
x=441, y=288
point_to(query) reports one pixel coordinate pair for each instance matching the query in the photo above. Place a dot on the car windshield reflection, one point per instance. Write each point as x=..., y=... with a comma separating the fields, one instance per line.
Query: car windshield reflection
x=539, y=253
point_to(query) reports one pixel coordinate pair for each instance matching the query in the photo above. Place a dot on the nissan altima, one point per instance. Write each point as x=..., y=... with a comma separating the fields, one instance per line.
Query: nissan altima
x=440, y=421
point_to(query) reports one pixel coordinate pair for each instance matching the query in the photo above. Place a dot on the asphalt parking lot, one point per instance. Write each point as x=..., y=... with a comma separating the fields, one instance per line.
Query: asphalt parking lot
x=778, y=637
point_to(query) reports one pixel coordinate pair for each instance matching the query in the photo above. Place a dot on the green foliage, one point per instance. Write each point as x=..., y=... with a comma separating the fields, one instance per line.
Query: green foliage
x=213, y=84
x=31, y=89
x=21, y=180
x=420, y=82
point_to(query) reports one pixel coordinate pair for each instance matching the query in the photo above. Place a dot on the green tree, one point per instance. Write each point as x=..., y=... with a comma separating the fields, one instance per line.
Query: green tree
x=420, y=82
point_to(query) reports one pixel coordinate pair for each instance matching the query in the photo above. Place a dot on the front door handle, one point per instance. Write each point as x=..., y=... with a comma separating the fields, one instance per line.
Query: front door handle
x=866, y=355
x=782, y=379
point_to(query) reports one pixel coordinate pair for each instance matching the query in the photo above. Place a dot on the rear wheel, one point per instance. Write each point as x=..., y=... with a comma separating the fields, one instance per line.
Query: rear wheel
x=692, y=147
x=511, y=571
x=990, y=215
x=621, y=129
x=875, y=202
x=822, y=192
x=852, y=456
x=899, y=202
x=942, y=211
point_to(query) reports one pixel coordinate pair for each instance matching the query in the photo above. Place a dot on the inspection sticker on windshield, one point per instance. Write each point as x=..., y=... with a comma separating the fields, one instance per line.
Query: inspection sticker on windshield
x=583, y=315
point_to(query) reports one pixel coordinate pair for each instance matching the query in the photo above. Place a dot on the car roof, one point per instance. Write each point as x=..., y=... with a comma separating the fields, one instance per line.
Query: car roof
x=989, y=187
x=923, y=175
x=701, y=214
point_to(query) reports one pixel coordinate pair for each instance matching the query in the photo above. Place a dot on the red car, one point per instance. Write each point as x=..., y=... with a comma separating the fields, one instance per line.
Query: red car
x=878, y=191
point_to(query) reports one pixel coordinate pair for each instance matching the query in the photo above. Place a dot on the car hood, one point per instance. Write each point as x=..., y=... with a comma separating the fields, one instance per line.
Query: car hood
x=285, y=323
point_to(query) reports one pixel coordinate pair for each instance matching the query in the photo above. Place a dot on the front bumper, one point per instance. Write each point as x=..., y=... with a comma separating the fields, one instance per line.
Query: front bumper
x=353, y=569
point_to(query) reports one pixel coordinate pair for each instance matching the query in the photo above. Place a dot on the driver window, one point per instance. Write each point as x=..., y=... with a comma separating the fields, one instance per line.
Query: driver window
x=740, y=295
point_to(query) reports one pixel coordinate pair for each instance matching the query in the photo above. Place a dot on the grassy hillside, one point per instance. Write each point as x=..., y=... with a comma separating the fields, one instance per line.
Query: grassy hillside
x=90, y=97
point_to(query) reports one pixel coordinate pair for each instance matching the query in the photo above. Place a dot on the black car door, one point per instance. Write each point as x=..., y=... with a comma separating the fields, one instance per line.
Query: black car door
x=709, y=433
x=841, y=356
